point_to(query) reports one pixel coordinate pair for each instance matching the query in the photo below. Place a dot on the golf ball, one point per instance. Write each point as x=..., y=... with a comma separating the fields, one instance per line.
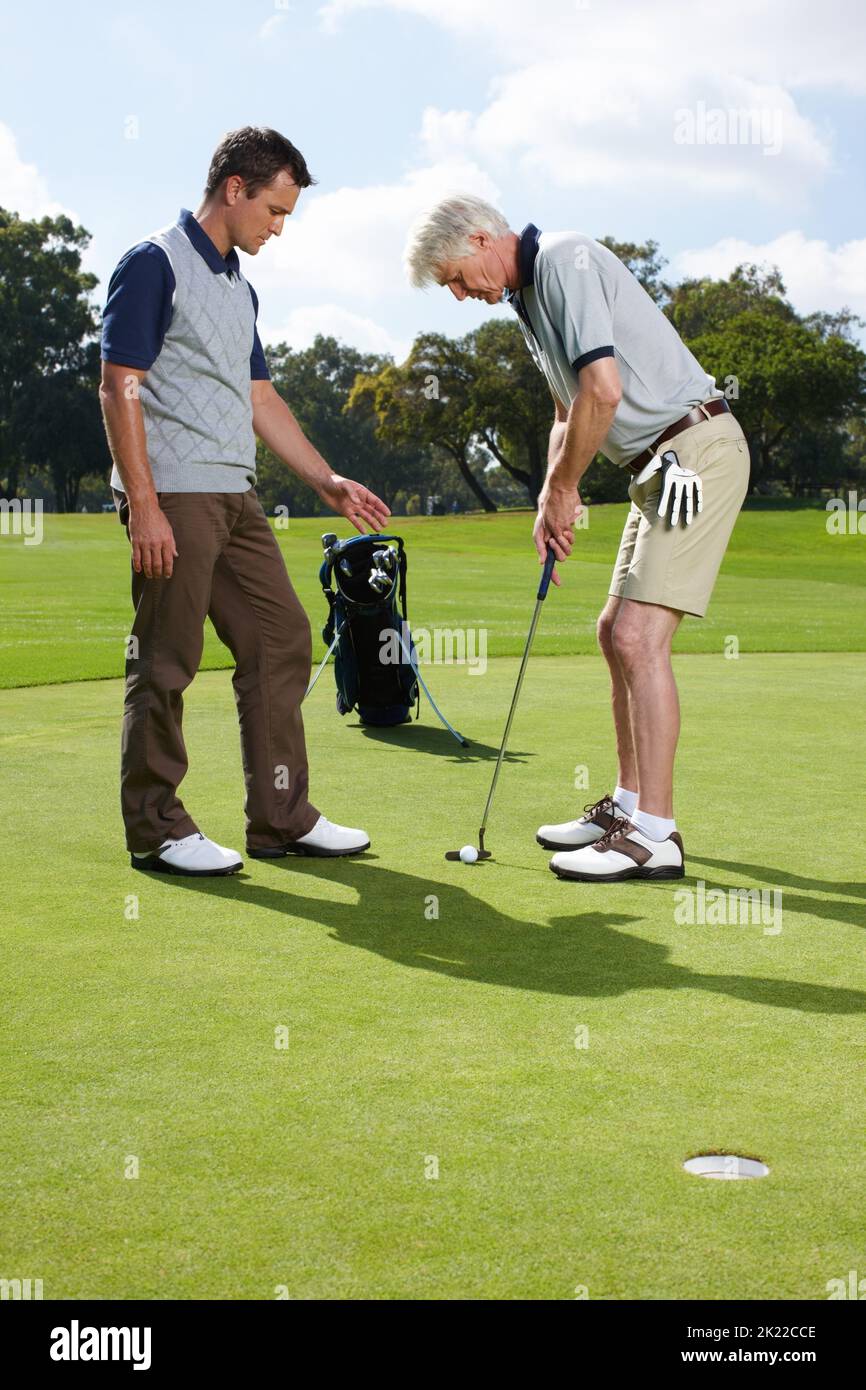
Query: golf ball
x=468, y=854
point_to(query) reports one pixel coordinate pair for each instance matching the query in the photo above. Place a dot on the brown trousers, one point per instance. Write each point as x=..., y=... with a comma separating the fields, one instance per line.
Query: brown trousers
x=228, y=568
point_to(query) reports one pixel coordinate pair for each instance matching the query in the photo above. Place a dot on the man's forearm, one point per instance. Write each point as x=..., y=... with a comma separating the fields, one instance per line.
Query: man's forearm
x=583, y=432
x=554, y=448
x=277, y=427
x=124, y=427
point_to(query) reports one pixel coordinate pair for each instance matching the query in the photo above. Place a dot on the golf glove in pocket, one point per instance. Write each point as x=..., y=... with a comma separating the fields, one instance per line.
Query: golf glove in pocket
x=681, y=491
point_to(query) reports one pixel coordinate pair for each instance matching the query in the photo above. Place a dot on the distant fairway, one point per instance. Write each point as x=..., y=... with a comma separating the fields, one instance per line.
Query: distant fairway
x=421, y=1040
x=785, y=586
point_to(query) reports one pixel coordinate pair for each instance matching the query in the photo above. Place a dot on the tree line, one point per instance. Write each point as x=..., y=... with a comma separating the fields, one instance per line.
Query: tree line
x=463, y=423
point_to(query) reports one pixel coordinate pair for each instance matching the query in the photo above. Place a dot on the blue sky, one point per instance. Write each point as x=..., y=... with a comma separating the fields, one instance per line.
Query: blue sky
x=626, y=118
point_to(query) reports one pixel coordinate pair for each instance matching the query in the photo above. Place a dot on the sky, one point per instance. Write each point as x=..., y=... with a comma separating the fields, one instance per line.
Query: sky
x=628, y=118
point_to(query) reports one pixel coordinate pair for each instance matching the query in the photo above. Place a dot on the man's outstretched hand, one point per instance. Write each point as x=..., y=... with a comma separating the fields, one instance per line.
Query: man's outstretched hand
x=355, y=502
x=558, y=509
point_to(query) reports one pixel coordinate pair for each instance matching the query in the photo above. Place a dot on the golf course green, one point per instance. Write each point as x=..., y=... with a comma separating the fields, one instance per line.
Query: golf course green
x=395, y=1077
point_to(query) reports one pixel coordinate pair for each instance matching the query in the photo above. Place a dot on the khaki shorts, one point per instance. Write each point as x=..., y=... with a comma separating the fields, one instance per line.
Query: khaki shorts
x=676, y=566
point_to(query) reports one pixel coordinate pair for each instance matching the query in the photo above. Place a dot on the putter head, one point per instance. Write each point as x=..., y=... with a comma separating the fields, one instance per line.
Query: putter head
x=482, y=852
x=329, y=539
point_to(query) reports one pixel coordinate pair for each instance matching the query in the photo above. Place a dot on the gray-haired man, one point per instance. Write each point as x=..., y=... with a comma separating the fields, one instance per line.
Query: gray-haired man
x=624, y=383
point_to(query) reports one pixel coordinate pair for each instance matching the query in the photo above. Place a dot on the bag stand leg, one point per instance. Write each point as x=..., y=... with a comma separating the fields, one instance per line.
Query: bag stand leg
x=324, y=662
x=464, y=742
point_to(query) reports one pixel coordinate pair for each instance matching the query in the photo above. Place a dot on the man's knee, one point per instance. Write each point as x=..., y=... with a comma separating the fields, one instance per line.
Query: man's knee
x=604, y=629
x=625, y=643
x=639, y=639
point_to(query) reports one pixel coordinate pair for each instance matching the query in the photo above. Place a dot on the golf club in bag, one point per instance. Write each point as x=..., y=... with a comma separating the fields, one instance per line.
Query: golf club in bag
x=376, y=664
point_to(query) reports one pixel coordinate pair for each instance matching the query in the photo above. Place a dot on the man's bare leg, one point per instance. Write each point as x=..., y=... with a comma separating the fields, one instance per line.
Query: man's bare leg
x=625, y=752
x=641, y=638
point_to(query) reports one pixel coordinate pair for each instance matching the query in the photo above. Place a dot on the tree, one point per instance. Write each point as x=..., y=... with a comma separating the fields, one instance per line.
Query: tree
x=59, y=424
x=429, y=398
x=645, y=263
x=513, y=409
x=46, y=315
x=794, y=383
x=317, y=384
x=700, y=306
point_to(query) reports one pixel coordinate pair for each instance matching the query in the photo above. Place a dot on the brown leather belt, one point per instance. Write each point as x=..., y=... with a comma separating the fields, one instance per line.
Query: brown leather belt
x=717, y=406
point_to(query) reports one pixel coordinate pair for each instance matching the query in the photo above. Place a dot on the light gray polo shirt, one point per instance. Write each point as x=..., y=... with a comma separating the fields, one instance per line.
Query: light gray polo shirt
x=577, y=303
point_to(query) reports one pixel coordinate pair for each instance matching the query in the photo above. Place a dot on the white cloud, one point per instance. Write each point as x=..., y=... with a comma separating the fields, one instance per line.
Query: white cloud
x=349, y=243
x=816, y=275
x=637, y=133
x=757, y=39
x=22, y=187
x=301, y=326
x=587, y=94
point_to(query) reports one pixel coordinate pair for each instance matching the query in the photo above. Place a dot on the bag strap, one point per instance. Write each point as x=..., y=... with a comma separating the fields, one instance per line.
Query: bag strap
x=402, y=564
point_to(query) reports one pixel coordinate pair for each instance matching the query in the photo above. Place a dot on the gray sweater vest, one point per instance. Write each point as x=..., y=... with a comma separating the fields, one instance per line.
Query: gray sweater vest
x=196, y=397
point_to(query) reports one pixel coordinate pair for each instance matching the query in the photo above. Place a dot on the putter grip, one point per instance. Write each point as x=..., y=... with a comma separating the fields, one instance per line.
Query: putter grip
x=546, y=573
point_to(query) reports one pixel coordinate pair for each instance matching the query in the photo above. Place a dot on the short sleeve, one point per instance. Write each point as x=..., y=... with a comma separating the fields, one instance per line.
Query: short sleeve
x=258, y=365
x=579, y=297
x=139, y=307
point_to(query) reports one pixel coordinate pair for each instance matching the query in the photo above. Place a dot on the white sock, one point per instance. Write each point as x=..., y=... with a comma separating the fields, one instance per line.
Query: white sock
x=654, y=827
x=625, y=800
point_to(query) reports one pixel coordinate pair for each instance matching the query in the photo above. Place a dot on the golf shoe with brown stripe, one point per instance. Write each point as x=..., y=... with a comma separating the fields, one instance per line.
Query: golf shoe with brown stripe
x=622, y=852
x=597, y=818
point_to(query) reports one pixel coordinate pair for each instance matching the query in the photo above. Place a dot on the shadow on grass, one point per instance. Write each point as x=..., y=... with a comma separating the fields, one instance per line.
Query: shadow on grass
x=585, y=955
x=782, y=878
x=424, y=738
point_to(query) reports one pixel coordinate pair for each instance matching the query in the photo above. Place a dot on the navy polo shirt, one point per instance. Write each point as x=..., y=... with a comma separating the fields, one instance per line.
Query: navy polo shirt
x=140, y=294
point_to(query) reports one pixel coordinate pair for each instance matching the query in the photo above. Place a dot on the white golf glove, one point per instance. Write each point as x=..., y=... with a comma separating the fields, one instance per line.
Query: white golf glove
x=680, y=490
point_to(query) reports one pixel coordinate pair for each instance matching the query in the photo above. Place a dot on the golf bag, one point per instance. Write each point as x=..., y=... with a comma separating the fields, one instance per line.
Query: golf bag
x=367, y=622
x=376, y=664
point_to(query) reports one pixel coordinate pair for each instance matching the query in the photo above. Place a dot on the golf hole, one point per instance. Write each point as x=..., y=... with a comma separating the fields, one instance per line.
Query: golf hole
x=725, y=1166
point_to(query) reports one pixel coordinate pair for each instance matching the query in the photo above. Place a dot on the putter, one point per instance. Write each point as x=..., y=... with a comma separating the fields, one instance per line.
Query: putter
x=540, y=597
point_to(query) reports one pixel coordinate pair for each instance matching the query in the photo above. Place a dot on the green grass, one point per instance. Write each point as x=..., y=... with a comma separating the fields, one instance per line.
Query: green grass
x=412, y=1035
x=785, y=585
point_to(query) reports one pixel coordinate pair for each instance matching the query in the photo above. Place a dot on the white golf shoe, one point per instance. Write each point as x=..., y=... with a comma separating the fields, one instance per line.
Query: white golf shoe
x=194, y=855
x=326, y=840
x=597, y=818
x=622, y=852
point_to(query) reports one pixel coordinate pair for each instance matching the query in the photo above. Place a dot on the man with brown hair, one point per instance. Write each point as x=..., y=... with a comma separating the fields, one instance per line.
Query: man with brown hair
x=185, y=391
